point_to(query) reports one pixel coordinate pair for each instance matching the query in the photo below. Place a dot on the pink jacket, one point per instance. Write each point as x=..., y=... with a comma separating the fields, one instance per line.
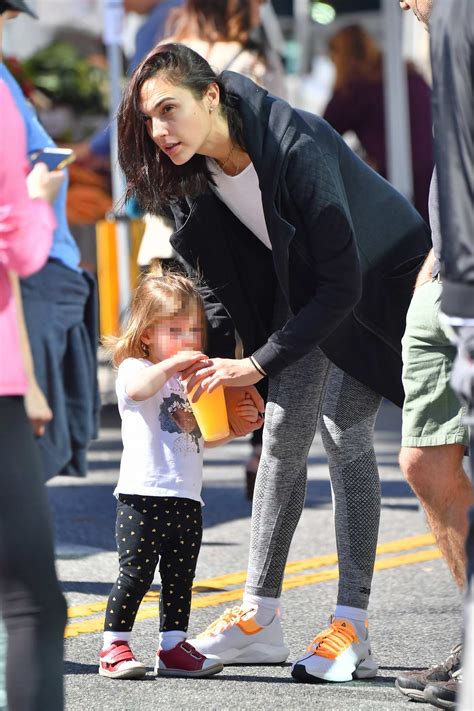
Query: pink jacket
x=26, y=230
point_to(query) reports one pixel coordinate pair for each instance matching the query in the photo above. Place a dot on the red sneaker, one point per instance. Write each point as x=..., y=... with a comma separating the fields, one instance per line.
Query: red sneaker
x=117, y=662
x=184, y=660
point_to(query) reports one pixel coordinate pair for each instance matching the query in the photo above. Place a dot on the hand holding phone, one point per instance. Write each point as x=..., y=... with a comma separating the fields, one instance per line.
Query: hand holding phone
x=43, y=183
x=54, y=158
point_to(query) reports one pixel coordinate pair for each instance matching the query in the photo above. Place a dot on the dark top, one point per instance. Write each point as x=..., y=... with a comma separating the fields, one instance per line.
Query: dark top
x=346, y=248
x=452, y=56
x=359, y=107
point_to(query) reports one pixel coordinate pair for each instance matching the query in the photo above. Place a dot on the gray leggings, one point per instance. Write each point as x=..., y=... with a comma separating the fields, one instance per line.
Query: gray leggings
x=313, y=391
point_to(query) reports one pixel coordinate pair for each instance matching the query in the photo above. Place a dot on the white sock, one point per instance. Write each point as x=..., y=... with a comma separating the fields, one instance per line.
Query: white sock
x=169, y=640
x=267, y=607
x=357, y=616
x=110, y=637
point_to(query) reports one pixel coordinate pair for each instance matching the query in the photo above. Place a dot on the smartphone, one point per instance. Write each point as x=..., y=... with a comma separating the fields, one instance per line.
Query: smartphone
x=55, y=158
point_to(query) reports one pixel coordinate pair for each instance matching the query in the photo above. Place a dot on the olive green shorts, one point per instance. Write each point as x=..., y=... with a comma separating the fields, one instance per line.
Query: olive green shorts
x=432, y=413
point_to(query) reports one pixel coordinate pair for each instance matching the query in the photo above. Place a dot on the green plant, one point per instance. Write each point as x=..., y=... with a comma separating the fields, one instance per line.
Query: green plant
x=67, y=78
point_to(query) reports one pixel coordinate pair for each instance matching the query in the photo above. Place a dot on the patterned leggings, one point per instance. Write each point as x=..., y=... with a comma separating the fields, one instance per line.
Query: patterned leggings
x=151, y=530
x=308, y=393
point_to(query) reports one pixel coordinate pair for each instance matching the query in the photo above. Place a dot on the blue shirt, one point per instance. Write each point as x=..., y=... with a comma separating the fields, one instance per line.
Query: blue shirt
x=149, y=34
x=64, y=247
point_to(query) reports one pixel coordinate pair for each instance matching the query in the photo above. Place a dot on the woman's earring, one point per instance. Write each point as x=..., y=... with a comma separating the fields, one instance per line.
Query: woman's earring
x=211, y=109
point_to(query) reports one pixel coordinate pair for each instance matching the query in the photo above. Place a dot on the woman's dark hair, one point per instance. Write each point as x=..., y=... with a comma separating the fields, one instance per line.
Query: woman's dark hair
x=151, y=176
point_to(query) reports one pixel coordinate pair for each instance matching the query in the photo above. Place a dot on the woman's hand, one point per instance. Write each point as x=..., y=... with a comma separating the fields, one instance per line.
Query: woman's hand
x=43, y=183
x=220, y=371
x=37, y=408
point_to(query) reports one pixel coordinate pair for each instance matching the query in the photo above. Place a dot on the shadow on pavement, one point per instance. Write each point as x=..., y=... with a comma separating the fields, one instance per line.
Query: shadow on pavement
x=77, y=668
x=85, y=515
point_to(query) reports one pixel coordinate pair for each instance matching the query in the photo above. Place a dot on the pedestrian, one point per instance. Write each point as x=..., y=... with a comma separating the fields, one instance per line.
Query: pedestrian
x=310, y=256
x=357, y=104
x=222, y=33
x=434, y=432
x=60, y=308
x=159, y=489
x=452, y=54
x=31, y=603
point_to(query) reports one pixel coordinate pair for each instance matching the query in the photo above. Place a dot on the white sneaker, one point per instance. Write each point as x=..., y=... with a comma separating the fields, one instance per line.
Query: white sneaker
x=336, y=654
x=235, y=638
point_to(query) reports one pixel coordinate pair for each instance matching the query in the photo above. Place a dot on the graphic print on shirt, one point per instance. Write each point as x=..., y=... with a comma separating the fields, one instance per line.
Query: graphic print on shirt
x=176, y=416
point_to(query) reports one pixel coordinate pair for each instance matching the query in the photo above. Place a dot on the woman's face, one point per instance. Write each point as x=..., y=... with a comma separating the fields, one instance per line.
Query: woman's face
x=176, y=121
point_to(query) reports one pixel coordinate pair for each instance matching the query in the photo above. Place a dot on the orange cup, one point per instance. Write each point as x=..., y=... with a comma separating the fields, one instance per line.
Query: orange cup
x=211, y=414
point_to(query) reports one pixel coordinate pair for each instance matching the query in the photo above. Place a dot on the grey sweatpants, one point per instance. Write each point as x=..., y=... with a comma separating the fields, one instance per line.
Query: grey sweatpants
x=313, y=391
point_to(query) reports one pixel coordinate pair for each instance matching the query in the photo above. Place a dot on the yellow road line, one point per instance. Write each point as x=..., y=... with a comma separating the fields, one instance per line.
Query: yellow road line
x=96, y=625
x=223, y=581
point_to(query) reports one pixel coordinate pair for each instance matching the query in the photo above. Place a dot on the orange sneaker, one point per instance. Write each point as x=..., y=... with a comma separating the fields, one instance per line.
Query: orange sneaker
x=336, y=654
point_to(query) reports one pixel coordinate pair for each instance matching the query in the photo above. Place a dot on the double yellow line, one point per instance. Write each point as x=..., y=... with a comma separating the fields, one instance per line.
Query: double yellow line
x=295, y=577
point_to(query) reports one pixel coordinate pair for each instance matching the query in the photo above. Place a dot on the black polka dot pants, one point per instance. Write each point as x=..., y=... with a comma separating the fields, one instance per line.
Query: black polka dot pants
x=152, y=531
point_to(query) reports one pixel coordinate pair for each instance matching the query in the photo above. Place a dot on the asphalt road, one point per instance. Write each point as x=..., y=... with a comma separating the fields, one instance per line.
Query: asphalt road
x=415, y=613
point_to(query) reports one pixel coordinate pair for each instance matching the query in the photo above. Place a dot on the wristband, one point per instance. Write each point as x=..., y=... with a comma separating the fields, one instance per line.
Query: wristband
x=257, y=366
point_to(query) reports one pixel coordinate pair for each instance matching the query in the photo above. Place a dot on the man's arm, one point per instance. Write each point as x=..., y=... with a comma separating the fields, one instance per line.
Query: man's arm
x=452, y=50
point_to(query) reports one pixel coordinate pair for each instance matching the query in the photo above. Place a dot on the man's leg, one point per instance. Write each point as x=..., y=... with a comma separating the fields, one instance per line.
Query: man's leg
x=434, y=437
x=437, y=477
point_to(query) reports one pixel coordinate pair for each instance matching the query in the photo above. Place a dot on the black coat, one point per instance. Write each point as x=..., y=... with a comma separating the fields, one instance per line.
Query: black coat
x=346, y=249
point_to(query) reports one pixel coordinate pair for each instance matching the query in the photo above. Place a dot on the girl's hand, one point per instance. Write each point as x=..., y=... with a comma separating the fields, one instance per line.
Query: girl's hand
x=247, y=410
x=186, y=359
x=234, y=397
x=220, y=371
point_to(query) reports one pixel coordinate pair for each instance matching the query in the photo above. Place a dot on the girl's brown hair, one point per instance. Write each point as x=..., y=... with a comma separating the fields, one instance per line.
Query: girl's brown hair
x=159, y=296
x=151, y=175
x=212, y=21
x=356, y=55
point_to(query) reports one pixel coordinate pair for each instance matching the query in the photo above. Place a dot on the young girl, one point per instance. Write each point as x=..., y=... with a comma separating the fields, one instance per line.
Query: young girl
x=159, y=503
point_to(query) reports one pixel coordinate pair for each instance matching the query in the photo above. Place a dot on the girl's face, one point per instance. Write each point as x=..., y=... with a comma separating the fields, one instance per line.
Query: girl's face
x=170, y=336
x=176, y=121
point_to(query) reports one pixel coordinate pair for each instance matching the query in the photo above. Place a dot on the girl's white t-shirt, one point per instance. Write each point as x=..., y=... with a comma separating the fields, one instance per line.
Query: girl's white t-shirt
x=242, y=195
x=162, y=444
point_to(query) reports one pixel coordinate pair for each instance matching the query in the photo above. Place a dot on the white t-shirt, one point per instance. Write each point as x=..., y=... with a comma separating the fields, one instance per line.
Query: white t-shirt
x=242, y=195
x=162, y=444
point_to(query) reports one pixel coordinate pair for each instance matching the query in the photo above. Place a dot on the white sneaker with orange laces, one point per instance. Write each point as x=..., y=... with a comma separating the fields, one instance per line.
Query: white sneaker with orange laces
x=336, y=654
x=235, y=638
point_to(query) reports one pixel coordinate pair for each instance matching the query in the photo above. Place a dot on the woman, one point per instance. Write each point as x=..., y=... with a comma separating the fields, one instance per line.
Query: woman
x=311, y=257
x=222, y=32
x=357, y=104
x=31, y=603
